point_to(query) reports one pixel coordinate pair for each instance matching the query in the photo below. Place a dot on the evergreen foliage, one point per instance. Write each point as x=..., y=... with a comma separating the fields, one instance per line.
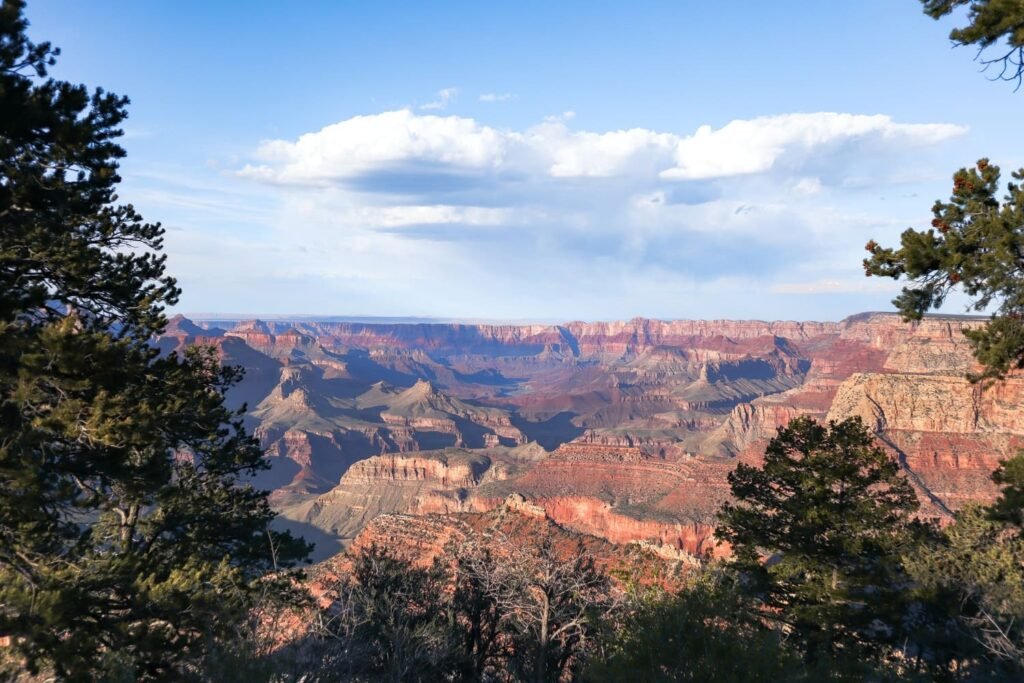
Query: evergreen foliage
x=974, y=579
x=817, y=534
x=708, y=633
x=976, y=242
x=701, y=634
x=988, y=23
x=1009, y=506
x=128, y=538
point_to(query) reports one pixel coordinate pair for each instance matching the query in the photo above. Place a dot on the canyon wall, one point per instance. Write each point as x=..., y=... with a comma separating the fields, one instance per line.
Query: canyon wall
x=633, y=426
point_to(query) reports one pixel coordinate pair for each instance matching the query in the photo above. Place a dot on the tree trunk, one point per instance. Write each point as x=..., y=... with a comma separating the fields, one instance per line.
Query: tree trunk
x=128, y=522
x=542, y=646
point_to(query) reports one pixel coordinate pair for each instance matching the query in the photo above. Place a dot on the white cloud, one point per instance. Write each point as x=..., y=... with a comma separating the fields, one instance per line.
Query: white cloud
x=744, y=147
x=830, y=286
x=583, y=154
x=365, y=143
x=435, y=214
x=756, y=145
x=413, y=213
x=496, y=97
x=444, y=97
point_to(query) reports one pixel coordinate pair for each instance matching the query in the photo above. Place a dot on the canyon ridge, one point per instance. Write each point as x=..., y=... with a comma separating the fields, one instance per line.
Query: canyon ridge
x=621, y=430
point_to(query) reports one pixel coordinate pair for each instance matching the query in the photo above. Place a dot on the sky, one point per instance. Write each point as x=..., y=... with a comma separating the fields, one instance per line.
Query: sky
x=535, y=161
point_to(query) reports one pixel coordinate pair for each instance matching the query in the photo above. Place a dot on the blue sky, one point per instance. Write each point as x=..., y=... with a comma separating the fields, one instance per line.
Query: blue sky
x=556, y=161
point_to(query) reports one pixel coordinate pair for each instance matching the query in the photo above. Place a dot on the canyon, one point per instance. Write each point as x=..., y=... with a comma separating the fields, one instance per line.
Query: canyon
x=625, y=431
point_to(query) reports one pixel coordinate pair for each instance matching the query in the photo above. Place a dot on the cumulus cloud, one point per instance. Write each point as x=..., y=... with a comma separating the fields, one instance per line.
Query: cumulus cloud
x=577, y=154
x=756, y=145
x=743, y=147
x=410, y=212
x=496, y=97
x=364, y=143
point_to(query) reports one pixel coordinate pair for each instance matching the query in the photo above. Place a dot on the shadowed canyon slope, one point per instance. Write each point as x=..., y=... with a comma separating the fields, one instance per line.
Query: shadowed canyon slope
x=624, y=430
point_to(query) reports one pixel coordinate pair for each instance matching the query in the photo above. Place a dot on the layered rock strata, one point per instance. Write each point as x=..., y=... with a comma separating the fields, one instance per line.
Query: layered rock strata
x=643, y=419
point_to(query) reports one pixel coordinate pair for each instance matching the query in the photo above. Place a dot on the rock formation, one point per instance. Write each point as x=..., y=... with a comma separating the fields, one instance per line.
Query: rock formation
x=642, y=419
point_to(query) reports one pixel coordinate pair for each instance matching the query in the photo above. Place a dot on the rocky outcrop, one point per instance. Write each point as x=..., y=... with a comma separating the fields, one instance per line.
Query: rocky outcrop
x=584, y=489
x=181, y=327
x=308, y=460
x=435, y=482
x=887, y=331
x=302, y=409
x=254, y=333
x=423, y=407
x=424, y=538
x=949, y=433
x=750, y=425
x=634, y=336
x=596, y=517
x=445, y=472
x=919, y=403
x=593, y=452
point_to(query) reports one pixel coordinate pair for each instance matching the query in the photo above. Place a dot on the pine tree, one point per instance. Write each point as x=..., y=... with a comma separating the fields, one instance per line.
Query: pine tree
x=988, y=23
x=976, y=243
x=974, y=577
x=817, y=533
x=1009, y=506
x=700, y=634
x=128, y=538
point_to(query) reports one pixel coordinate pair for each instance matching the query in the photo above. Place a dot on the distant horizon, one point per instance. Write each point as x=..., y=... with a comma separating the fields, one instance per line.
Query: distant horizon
x=209, y=318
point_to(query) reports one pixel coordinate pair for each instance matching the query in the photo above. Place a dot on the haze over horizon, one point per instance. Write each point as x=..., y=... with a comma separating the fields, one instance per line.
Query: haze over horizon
x=227, y=320
x=578, y=162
